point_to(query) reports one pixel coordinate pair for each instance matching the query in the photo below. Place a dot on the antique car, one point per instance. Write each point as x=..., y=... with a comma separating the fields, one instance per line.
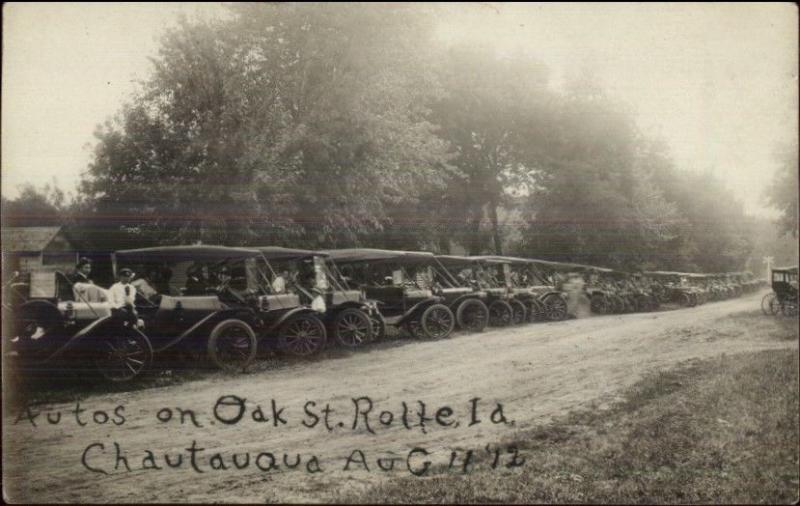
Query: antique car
x=217, y=302
x=350, y=318
x=783, y=298
x=484, y=277
x=54, y=327
x=530, y=286
x=405, y=301
x=675, y=288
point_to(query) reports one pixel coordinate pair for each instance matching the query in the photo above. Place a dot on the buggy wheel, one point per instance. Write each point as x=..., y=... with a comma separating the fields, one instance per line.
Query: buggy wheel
x=437, y=321
x=500, y=314
x=556, y=308
x=536, y=311
x=352, y=328
x=302, y=336
x=767, y=302
x=378, y=326
x=789, y=308
x=232, y=345
x=472, y=315
x=519, y=312
x=124, y=356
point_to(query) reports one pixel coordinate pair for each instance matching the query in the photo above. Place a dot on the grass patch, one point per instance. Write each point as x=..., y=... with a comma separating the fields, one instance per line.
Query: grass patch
x=725, y=430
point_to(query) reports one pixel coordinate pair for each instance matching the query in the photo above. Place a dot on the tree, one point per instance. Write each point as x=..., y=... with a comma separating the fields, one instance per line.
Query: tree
x=300, y=121
x=34, y=206
x=493, y=113
x=782, y=192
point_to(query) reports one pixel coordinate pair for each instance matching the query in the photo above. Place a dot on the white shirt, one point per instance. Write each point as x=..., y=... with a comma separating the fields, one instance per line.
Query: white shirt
x=279, y=285
x=121, y=295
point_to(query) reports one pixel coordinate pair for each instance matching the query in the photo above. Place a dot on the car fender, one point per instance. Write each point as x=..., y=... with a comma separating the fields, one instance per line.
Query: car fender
x=291, y=314
x=461, y=298
x=543, y=296
x=417, y=308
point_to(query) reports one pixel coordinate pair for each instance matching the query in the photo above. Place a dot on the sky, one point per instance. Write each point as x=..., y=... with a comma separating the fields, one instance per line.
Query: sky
x=717, y=83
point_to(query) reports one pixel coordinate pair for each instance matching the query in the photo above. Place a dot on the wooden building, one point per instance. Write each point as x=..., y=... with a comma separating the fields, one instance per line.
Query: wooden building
x=28, y=249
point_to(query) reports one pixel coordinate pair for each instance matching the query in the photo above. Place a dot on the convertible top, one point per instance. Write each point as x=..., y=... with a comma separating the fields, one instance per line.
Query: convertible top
x=177, y=253
x=280, y=253
x=456, y=260
x=785, y=269
x=354, y=255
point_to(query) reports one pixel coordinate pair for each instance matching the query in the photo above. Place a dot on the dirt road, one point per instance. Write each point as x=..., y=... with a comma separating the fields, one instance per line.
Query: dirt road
x=535, y=372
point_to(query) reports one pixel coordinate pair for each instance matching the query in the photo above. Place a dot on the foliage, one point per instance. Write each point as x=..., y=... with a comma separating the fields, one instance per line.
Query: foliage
x=292, y=121
x=335, y=125
x=782, y=192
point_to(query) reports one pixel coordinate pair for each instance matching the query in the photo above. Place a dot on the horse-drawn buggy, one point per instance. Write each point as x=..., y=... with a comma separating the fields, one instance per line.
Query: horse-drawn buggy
x=783, y=298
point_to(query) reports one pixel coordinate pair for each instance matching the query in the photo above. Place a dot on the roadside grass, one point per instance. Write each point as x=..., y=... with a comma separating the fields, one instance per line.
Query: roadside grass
x=725, y=430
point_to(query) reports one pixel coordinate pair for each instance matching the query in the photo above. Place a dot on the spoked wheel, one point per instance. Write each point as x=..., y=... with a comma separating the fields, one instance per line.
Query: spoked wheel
x=519, y=312
x=556, y=308
x=472, y=315
x=767, y=304
x=501, y=314
x=437, y=321
x=124, y=356
x=686, y=300
x=302, y=336
x=536, y=311
x=599, y=305
x=232, y=345
x=378, y=326
x=352, y=328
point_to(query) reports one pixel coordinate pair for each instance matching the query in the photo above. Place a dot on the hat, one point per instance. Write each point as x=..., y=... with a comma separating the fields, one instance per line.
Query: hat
x=126, y=272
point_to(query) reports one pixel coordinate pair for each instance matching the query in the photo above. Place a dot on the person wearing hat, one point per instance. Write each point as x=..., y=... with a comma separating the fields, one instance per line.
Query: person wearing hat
x=122, y=294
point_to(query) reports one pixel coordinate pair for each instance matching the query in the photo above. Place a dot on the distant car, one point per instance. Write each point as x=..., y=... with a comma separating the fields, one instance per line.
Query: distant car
x=402, y=301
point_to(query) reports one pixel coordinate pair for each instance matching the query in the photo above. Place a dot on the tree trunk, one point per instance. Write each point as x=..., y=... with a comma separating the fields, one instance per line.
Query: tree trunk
x=498, y=244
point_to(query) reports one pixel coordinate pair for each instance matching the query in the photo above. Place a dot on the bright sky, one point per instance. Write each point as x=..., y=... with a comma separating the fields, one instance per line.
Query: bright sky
x=717, y=82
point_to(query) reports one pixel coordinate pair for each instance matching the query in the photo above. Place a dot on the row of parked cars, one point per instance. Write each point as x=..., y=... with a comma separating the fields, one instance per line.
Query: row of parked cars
x=222, y=306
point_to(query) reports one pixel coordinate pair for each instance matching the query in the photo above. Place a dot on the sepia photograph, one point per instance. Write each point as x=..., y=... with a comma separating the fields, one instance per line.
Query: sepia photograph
x=406, y=253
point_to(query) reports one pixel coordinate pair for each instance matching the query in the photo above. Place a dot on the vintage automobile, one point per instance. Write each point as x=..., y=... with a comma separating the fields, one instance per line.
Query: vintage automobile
x=530, y=286
x=404, y=301
x=675, y=288
x=349, y=316
x=194, y=310
x=484, y=275
x=54, y=327
x=783, y=298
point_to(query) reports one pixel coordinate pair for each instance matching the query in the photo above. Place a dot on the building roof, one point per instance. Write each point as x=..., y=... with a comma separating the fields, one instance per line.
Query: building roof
x=29, y=239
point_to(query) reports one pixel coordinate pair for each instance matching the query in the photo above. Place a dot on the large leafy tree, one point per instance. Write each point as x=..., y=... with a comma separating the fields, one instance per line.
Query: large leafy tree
x=303, y=122
x=782, y=192
x=494, y=113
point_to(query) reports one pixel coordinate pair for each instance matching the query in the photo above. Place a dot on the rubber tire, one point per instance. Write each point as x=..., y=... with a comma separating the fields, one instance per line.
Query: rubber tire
x=462, y=310
x=352, y=312
x=505, y=315
x=283, y=344
x=426, y=324
x=147, y=350
x=520, y=312
x=552, y=315
x=211, y=348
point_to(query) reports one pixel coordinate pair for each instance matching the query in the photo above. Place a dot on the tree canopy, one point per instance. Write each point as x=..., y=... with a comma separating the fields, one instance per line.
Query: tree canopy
x=333, y=125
